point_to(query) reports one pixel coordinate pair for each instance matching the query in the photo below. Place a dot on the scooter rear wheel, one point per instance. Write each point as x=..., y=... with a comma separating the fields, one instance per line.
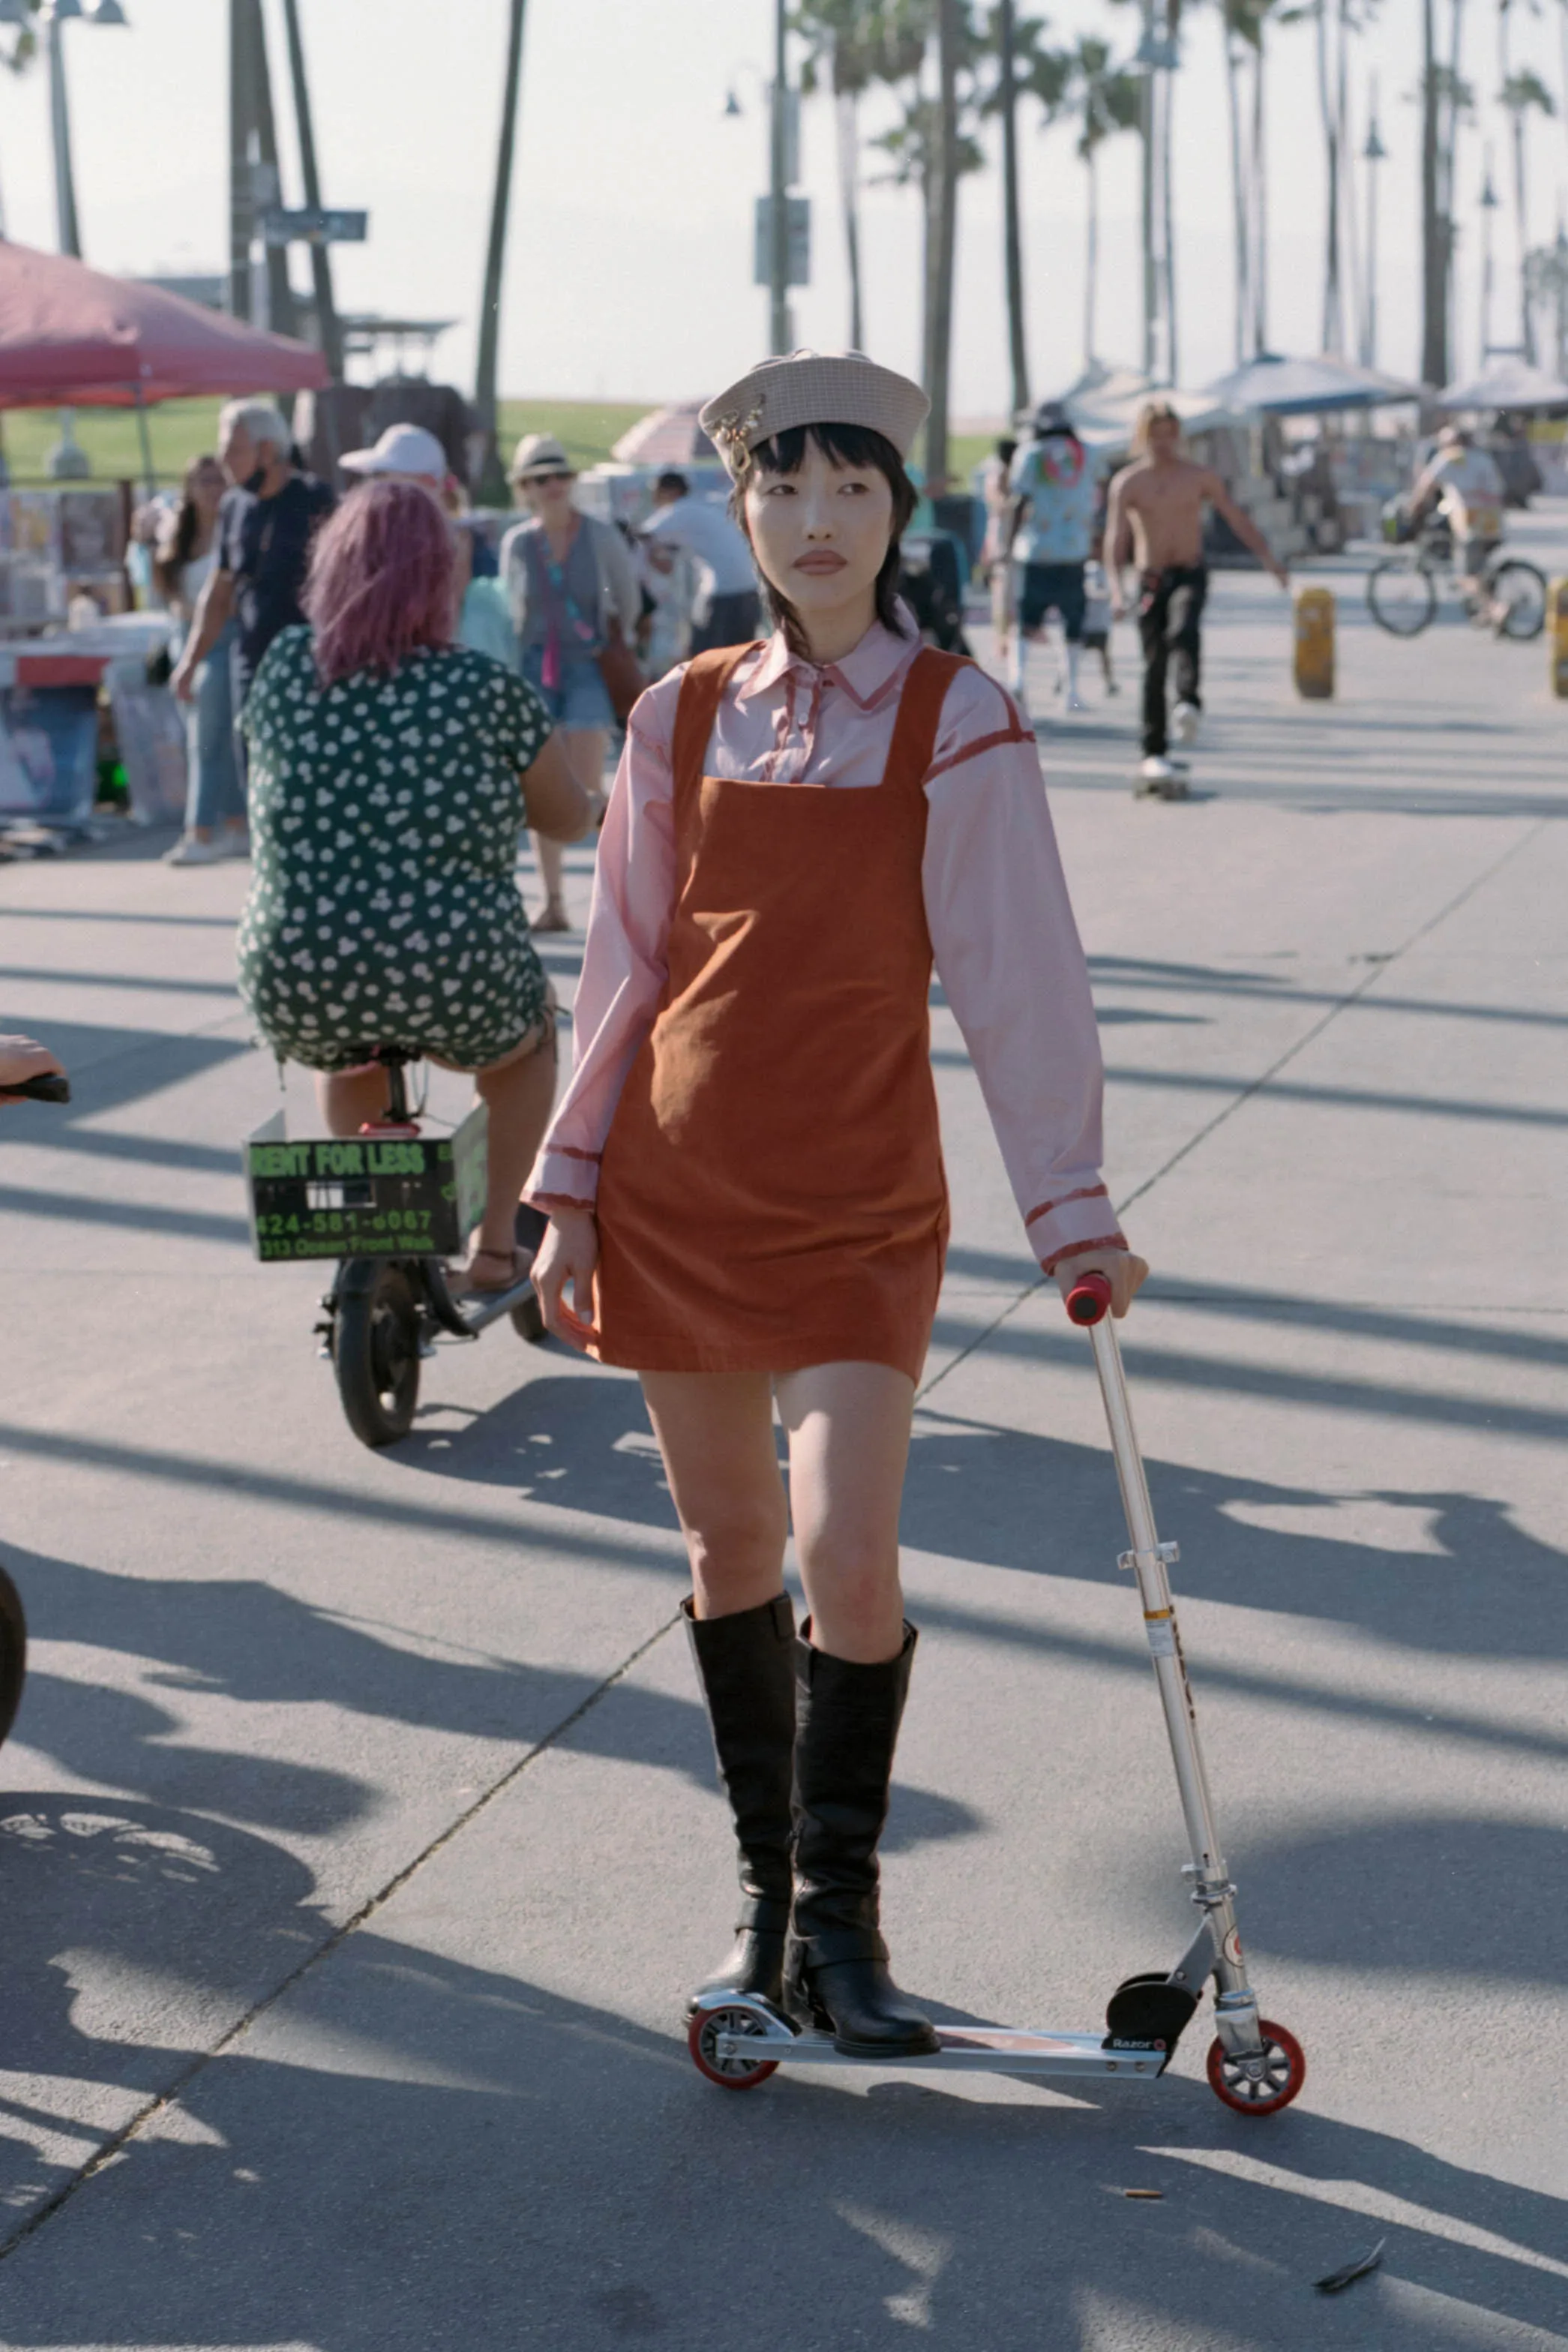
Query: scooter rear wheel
x=375, y=1348
x=1284, y=2070
x=13, y=1653
x=729, y=2073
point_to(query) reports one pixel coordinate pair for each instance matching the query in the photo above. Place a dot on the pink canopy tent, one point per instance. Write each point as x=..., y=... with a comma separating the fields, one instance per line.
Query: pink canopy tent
x=71, y=337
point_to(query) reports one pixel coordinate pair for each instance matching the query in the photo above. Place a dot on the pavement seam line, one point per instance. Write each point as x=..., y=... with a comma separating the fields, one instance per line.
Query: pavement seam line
x=118, y=2140
x=1341, y=1004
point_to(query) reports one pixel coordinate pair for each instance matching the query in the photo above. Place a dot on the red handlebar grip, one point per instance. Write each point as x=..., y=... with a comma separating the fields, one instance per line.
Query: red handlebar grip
x=1089, y=1299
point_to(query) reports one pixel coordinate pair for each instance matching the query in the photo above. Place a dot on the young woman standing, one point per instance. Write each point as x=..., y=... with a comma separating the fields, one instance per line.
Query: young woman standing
x=745, y=1177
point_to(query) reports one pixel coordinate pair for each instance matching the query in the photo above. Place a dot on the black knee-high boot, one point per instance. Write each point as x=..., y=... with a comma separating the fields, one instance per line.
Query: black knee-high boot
x=746, y=1666
x=846, y=1729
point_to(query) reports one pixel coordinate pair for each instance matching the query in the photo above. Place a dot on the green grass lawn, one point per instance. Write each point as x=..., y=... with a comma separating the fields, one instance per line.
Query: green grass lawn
x=183, y=429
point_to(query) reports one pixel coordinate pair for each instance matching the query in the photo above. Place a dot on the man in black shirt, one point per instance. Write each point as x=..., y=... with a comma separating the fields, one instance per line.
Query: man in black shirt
x=266, y=524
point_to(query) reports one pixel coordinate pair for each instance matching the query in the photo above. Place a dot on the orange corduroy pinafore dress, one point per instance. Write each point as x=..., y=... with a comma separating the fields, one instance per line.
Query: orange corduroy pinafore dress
x=773, y=1192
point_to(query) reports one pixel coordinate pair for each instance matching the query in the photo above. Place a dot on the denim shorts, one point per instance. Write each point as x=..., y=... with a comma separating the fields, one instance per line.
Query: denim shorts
x=1053, y=586
x=581, y=699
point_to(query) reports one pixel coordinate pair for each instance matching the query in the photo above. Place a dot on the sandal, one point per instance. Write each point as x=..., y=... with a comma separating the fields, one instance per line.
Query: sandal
x=510, y=1259
x=554, y=918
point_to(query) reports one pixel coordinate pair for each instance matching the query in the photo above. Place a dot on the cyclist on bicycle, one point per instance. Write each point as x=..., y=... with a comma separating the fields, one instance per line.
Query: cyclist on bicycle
x=1467, y=488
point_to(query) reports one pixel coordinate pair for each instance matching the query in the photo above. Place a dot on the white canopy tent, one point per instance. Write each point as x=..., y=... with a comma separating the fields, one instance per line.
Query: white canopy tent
x=1268, y=386
x=1507, y=383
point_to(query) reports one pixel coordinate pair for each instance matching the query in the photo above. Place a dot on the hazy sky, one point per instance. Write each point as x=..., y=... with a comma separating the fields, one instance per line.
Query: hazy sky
x=628, y=261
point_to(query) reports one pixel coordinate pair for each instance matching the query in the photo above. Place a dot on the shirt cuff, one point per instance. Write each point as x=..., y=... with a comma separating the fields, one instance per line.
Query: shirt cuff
x=559, y=1175
x=1082, y=1219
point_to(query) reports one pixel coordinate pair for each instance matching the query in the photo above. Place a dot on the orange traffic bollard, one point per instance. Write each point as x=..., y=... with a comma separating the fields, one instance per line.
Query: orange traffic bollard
x=1314, y=643
x=1557, y=637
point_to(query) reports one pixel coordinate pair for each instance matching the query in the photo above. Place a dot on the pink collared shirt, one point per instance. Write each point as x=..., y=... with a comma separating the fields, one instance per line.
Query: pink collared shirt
x=1007, y=948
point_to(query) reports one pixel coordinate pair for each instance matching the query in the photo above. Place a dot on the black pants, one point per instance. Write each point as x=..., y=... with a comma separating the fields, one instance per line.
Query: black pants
x=1170, y=614
x=732, y=620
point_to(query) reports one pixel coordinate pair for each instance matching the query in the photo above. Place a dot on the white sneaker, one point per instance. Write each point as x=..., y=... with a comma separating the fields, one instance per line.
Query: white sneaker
x=1185, y=720
x=1075, y=702
x=1160, y=778
x=236, y=841
x=191, y=851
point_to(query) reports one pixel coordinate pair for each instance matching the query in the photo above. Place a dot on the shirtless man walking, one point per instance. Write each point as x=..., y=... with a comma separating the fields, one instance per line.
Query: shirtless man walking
x=1155, y=517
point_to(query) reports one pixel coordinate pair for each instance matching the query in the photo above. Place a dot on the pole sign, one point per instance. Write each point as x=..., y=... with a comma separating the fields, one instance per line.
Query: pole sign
x=315, y=224
x=798, y=218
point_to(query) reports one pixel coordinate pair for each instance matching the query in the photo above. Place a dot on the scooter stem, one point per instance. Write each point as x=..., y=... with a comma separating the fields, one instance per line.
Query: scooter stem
x=1149, y=1560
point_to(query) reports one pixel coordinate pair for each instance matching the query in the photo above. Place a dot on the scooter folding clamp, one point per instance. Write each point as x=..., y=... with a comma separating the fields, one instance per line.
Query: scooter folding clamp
x=1209, y=1893
x=1131, y=1561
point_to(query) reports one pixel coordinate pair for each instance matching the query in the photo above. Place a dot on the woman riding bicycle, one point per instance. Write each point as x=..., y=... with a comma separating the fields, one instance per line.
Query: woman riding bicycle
x=385, y=814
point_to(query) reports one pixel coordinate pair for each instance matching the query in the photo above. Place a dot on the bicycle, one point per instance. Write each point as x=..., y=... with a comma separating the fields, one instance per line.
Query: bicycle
x=392, y=1205
x=1404, y=591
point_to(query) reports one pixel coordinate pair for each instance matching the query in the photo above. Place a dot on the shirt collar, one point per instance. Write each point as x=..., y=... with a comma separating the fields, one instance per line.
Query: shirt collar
x=868, y=674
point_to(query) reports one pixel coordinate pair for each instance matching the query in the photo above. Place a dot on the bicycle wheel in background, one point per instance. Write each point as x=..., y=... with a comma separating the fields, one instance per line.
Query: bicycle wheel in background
x=1401, y=595
x=1518, y=592
x=13, y=1653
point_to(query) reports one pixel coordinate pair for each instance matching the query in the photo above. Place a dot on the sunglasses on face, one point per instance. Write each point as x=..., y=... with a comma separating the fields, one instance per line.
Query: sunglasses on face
x=532, y=481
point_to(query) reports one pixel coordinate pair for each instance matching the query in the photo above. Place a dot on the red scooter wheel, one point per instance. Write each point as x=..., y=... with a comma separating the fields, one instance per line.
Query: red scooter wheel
x=1252, y=2090
x=729, y=2073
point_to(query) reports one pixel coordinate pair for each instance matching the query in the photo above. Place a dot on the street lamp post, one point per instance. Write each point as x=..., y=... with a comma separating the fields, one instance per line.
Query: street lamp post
x=67, y=459
x=1373, y=154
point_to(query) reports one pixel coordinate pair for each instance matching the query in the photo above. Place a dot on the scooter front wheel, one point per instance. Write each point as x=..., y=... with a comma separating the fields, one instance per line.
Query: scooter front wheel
x=1254, y=2086
x=729, y=2073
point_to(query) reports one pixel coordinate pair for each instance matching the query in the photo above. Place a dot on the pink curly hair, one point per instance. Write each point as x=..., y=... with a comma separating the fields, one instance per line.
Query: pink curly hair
x=381, y=581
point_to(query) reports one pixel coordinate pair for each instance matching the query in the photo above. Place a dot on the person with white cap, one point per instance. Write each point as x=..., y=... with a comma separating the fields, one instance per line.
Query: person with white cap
x=408, y=453
x=744, y=1178
x=1052, y=480
x=575, y=594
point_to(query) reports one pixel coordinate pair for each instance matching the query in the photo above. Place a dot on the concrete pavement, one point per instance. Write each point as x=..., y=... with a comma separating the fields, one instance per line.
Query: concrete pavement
x=358, y=1840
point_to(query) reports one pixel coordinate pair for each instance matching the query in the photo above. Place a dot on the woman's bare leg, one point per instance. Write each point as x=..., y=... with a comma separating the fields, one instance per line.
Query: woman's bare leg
x=715, y=1432
x=848, y=1428
x=347, y=1099
x=521, y=1096
x=550, y=856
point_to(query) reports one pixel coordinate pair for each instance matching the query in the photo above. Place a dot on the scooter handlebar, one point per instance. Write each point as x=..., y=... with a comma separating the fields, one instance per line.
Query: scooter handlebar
x=1090, y=1298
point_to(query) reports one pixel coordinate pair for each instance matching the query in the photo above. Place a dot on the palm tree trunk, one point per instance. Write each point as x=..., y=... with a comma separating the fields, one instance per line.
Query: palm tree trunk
x=1330, y=340
x=1168, y=196
x=1434, y=254
x=492, y=483
x=1012, y=236
x=1259, y=208
x=1146, y=201
x=943, y=218
x=1238, y=191
x=1350, y=309
x=1526, y=323
x=848, y=122
x=1090, y=258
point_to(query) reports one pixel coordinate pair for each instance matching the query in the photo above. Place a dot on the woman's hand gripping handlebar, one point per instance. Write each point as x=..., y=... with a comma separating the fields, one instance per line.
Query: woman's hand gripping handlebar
x=30, y=1073
x=1099, y=1282
x=568, y=1256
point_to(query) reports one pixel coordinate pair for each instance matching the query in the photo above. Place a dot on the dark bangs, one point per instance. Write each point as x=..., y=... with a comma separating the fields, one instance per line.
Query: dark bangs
x=847, y=445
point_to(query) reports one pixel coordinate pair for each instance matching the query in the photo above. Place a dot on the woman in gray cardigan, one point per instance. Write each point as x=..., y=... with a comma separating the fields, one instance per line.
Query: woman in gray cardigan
x=569, y=577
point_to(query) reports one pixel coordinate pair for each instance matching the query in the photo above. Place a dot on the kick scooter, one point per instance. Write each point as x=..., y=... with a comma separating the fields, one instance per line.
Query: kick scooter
x=1254, y=2066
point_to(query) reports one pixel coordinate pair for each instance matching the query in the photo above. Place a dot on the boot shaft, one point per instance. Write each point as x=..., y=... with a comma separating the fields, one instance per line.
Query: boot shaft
x=847, y=1723
x=745, y=1663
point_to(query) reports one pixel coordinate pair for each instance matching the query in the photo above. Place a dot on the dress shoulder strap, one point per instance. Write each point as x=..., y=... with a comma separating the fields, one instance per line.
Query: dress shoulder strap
x=919, y=716
x=702, y=690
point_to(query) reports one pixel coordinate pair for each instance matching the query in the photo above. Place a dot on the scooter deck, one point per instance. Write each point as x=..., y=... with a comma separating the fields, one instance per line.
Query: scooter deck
x=965, y=2049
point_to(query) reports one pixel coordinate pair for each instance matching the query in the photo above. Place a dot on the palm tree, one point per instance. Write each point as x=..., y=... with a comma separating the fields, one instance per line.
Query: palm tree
x=855, y=43
x=1105, y=98
x=492, y=484
x=931, y=149
x=1520, y=92
x=1019, y=66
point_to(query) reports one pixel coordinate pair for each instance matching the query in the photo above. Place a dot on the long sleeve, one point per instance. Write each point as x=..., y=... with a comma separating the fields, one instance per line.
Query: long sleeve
x=1010, y=963
x=623, y=961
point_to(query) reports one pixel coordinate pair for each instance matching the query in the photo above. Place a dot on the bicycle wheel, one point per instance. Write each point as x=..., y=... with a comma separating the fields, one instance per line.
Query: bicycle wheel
x=1518, y=592
x=1401, y=595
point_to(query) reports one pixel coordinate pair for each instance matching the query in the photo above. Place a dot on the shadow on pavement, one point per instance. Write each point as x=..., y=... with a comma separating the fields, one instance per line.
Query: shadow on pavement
x=419, y=2153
